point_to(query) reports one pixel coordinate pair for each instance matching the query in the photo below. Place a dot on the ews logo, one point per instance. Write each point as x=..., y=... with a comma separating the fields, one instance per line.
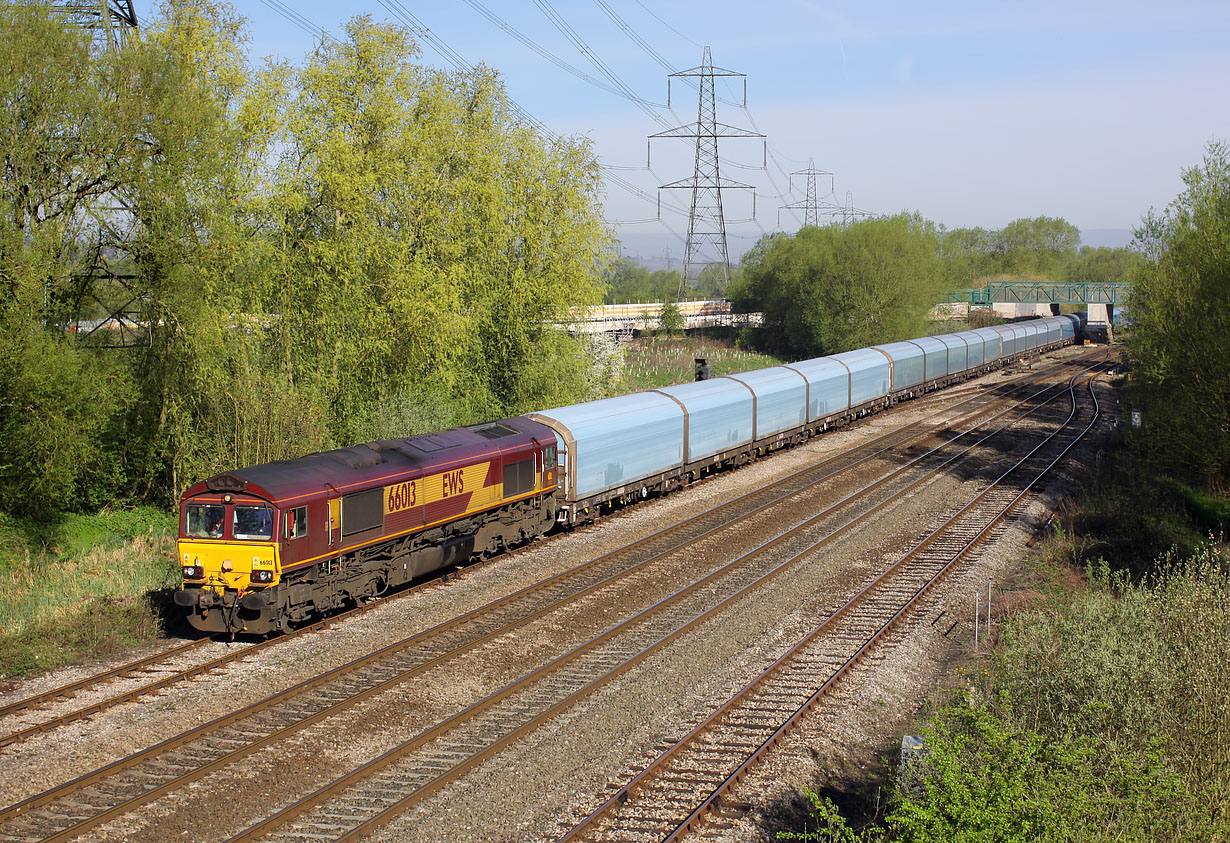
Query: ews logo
x=452, y=483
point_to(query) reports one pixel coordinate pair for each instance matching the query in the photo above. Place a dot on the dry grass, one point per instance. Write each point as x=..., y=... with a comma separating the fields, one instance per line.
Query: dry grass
x=653, y=362
x=62, y=603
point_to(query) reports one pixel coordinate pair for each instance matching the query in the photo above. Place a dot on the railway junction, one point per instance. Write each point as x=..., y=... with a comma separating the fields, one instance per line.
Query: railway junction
x=678, y=669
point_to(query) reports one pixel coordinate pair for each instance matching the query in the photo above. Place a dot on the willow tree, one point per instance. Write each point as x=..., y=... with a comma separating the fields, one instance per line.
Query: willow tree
x=430, y=238
x=1180, y=313
x=62, y=154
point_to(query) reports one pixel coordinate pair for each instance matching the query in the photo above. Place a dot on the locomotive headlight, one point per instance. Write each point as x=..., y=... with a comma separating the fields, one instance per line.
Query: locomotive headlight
x=194, y=572
x=262, y=576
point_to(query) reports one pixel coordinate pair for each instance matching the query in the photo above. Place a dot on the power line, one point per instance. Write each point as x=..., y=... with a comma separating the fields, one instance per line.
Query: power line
x=457, y=62
x=297, y=19
x=571, y=34
x=667, y=25
x=556, y=60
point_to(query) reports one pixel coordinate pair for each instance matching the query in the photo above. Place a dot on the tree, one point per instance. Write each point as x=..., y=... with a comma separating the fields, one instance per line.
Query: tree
x=431, y=237
x=1036, y=246
x=670, y=320
x=628, y=281
x=1039, y=246
x=832, y=289
x=1180, y=312
x=62, y=154
x=355, y=249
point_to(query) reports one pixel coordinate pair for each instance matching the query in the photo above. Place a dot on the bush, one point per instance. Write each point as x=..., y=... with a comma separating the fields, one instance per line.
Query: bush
x=1102, y=719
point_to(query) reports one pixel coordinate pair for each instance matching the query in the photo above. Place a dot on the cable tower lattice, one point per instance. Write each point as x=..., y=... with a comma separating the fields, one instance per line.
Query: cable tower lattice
x=706, y=241
x=811, y=205
x=111, y=21
x=849, y=213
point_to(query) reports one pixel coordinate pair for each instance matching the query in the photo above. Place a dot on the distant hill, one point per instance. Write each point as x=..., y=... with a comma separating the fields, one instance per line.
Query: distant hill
x=665, y=251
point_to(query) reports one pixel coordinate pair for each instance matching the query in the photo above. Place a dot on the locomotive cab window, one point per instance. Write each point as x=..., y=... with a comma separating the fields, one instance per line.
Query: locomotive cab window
x=204, y=520
x=295, y=523
x=548, y=457
x=252, y=523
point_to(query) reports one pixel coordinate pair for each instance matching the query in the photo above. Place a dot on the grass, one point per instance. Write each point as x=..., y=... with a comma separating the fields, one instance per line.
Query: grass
x=652, y=362
x=83, y=586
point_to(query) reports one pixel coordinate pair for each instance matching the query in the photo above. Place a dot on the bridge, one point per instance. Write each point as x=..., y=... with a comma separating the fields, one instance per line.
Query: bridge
x=1021, y=298
x=639, y=317
x=1041, y=292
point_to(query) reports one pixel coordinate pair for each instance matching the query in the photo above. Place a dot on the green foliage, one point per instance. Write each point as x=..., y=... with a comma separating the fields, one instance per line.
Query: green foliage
x=59, y=417
x=357, y=248
x=670, y=320
x=1036, y=246
x=1043, y=248
x=431, y=236
x=832, y=289
x=653, y=363
x=991, y=778
x=829, y=825
x=1180, y=338
x=1104, y=718
x=1102, y=266
x=627, y=281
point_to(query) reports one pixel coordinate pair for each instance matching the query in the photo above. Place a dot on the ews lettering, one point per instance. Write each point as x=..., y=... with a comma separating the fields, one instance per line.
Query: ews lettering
x=453, y=483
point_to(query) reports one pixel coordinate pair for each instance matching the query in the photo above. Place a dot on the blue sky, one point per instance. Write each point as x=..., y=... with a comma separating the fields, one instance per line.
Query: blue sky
x=971, y=113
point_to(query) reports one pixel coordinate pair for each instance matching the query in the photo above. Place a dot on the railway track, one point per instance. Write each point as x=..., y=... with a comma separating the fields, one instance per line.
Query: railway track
x=92, y=800
x=188, y=649
x=682, y=788
x=356, y=804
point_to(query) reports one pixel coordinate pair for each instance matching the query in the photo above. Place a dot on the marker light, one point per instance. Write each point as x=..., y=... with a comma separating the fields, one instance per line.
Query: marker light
x=194, y=572
x=262, y=576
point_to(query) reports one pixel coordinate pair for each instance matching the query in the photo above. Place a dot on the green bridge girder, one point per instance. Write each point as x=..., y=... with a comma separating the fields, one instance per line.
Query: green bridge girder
x=1026, y=292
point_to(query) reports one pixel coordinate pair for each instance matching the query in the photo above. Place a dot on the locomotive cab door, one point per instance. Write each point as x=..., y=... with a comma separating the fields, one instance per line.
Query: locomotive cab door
x=333, y=517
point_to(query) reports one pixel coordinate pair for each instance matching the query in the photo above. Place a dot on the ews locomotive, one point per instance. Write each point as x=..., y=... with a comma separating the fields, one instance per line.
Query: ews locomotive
x=265, y=547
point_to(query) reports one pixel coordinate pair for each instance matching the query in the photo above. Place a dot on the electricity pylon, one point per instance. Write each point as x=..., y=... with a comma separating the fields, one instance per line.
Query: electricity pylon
x=98, y=283
x=111, y=21
x=706, y=224
x=849, y=213
x=810, y=205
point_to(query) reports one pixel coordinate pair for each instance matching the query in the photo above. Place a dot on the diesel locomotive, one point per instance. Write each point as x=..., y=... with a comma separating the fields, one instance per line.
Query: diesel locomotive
x=264, y=548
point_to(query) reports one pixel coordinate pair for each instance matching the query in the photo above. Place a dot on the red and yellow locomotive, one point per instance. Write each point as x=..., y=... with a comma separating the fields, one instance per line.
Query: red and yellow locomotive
x=265, y=547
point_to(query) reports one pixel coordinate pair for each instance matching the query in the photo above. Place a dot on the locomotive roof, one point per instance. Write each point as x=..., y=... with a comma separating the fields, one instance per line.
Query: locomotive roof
x=367, y=465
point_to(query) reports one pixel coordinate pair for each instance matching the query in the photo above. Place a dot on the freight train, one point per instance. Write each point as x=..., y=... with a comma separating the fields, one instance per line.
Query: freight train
x=266, y=547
